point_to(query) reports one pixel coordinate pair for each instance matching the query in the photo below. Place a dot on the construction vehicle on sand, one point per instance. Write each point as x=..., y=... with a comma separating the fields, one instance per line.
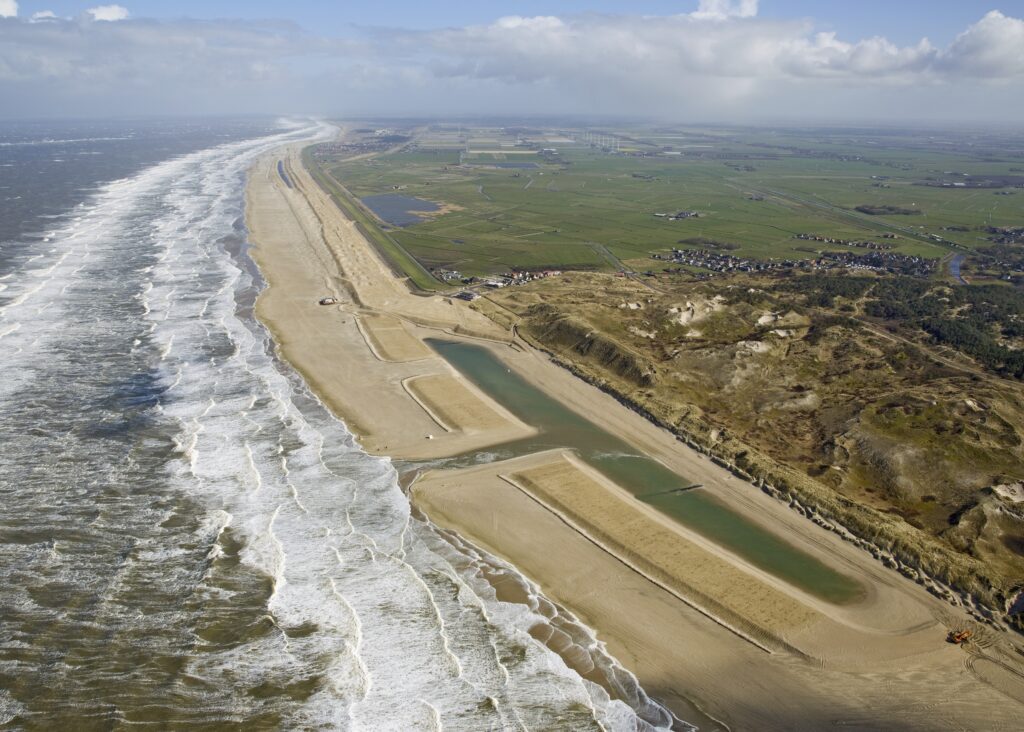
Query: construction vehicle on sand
x=959, y=637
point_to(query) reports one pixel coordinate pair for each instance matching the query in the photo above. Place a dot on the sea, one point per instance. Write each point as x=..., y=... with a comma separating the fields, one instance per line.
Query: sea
x=188, y=538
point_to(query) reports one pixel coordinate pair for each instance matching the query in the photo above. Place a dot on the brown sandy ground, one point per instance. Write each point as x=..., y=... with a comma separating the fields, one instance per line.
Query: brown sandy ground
x=307, y=250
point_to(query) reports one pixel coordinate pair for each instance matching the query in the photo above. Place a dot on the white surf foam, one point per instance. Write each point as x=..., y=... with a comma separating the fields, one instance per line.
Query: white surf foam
x=400, y=629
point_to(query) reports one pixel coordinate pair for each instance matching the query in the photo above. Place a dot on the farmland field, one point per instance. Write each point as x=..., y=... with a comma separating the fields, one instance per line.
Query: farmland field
x=576, y=199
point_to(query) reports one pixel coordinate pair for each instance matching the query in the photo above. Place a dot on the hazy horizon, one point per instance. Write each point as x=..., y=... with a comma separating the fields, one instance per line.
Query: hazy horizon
x=702, y=61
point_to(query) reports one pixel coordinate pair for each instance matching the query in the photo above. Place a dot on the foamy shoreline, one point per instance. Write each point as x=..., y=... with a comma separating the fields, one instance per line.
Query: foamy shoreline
x=879, y=664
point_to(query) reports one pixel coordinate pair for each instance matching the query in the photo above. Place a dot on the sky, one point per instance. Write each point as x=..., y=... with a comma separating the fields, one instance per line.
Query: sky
x=741, y=61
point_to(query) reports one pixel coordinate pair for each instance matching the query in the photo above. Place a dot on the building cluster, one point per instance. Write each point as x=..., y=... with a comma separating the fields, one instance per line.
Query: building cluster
x=889, y=262
x=446, y=275
x=718, y=262
x=877, y=261
x=976, y=182
x=847, y=242
x=1006, y=234
x=505, y=279
x=521, y=277
x=495, y=282
x=327, y=150
x=679, y=215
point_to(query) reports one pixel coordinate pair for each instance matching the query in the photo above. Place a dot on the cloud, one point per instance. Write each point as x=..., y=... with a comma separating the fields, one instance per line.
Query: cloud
x=108, y=12
x=8, y=9
x=724, y=9
x=42, y=16
x=76, y=66
x=872, y=59
x=722, y=62
x=992, y=47
x=714, y=43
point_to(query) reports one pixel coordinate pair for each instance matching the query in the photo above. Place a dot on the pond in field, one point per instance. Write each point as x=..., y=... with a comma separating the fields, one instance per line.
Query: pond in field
x=399, y=210
x=647, y=479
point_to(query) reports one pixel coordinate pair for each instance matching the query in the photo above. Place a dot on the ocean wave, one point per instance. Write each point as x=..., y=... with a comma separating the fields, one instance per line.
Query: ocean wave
x=221, y=520
x=59, y=141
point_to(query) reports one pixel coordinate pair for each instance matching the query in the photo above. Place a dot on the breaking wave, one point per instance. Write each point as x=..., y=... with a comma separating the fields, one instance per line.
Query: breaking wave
x=189, y=537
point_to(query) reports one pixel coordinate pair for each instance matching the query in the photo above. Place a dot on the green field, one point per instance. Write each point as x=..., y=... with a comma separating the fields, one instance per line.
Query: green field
x=589, y=208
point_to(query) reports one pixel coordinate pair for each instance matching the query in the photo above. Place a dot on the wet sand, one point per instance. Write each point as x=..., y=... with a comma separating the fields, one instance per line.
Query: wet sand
x=879, y=663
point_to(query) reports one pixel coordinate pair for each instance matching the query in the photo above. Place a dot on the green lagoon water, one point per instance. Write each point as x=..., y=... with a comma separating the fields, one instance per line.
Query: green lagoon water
x=646, y=478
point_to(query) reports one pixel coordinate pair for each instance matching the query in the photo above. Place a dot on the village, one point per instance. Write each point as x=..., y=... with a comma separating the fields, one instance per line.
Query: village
x=877, y=261
x=847, y=242
x=1006, y=234
x=360, y=142
x=496, y=282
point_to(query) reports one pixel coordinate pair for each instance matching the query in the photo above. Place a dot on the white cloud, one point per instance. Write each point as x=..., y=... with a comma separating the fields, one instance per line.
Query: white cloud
x=723, y=9
x=725, y=62
x=722, y=61
x=42, y=16
x=8, y=9
x=992, y=47
x=676, y=50
x=873, y=59
x=108, y=12
x=76, y=66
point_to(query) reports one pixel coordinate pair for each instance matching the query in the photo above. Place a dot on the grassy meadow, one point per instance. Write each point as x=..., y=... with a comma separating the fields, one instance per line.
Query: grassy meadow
x=590, y=207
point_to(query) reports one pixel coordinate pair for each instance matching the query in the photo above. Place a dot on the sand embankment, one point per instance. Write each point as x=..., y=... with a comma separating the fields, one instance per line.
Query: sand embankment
x=758, y=607
x=880, y=663
x=389, y=339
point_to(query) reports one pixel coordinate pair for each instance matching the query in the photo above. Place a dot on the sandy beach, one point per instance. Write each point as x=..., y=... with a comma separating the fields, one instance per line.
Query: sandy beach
x=696, y=623
x=363, y=363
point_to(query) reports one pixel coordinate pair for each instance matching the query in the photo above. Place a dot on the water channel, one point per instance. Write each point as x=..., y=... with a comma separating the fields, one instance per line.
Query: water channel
x=647, y=479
